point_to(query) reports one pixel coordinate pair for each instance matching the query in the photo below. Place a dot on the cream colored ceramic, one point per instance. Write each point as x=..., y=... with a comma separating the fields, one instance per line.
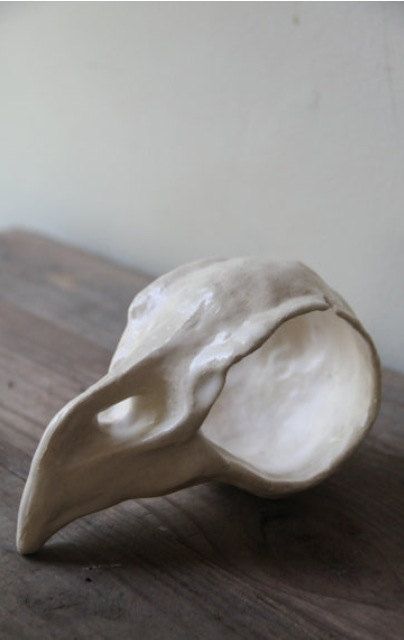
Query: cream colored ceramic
x=250, y=372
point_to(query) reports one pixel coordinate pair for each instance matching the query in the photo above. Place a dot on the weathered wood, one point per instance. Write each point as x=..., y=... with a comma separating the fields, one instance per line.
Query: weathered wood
x=206, y=562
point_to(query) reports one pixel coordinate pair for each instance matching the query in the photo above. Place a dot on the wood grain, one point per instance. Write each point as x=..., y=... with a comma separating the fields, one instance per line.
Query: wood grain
x=208, y=562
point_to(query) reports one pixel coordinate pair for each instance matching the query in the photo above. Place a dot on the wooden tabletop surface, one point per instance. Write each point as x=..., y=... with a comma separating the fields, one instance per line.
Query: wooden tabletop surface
x=208, y=562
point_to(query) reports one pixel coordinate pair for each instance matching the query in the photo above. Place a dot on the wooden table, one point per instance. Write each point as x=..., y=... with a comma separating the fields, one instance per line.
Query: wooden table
x=208, y=562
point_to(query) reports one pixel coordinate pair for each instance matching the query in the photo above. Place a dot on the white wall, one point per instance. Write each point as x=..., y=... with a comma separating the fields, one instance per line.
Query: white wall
x=157, y=133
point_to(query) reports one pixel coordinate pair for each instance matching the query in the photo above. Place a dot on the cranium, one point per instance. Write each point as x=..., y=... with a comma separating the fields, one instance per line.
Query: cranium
x=249, y=372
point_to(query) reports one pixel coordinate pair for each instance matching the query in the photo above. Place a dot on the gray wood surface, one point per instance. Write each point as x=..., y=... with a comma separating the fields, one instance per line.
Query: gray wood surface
x=208, y=562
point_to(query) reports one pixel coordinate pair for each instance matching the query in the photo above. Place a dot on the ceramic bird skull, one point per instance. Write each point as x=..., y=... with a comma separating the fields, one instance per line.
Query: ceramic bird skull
x=250, y=372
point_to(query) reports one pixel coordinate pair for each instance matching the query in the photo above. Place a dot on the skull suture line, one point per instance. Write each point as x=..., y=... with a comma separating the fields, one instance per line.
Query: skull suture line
x=249, y=372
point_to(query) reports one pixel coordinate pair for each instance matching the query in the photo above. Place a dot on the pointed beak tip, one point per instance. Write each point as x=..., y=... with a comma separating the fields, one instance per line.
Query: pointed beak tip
x=24, y=545
x=26, y=542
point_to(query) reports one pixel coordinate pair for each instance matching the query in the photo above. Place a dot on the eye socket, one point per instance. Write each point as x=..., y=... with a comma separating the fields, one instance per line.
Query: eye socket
x=136, y=417
x=119, y=412
x=132, y=418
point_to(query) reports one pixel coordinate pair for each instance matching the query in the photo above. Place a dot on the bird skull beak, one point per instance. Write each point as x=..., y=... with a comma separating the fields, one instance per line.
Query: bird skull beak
x=251, y=372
